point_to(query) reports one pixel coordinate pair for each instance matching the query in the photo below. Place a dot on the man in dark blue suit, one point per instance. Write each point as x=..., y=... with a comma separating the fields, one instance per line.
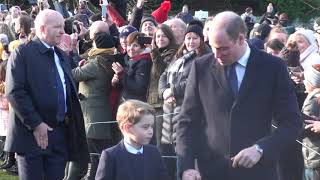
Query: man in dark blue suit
x=230, y=99
x=46, y=126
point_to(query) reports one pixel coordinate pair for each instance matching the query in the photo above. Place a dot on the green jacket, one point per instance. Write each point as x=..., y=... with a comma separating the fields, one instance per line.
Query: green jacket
x=94, y=90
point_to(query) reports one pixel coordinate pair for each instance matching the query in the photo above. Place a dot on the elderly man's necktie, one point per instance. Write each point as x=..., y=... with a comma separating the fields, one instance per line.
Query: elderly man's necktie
x=61, y=100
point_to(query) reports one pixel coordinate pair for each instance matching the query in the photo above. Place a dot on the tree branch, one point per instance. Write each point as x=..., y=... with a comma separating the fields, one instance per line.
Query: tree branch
x=311, y=6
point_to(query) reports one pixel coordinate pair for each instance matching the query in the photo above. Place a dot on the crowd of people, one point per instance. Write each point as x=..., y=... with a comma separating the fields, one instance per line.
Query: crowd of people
x=82, y=95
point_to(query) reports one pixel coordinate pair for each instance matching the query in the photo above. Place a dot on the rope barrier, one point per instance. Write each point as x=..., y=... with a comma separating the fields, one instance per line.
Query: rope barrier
x=175, y=157
x=111, y=122
x=303, y=144
x=169, y=157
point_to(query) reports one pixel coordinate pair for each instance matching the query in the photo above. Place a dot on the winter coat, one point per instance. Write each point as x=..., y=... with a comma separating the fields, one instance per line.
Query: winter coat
x=135, y=79
x=160, y=60
x=136, y=17
x=311, y=107
x=120, y=6
x=94, y=90
x=174, y=77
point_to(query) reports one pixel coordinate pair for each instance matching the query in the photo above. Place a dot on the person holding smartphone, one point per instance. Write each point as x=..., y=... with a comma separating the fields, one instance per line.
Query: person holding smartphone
x=133, y=77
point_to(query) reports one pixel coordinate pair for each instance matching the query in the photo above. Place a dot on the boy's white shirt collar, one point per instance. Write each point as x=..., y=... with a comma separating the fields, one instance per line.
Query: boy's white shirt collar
x=131, y=149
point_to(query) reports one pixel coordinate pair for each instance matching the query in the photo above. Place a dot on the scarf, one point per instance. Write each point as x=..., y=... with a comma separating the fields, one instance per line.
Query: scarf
x=97, y=51
x=146, y=56
x=307, y=52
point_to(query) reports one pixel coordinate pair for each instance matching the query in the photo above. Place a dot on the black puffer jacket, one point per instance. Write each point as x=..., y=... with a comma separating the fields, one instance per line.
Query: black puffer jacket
x=174, y=77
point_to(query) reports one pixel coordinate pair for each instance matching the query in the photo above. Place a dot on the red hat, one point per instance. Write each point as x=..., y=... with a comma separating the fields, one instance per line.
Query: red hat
x=161, y=14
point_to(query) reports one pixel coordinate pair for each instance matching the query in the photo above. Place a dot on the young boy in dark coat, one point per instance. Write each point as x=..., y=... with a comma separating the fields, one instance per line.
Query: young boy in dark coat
x=133, y=158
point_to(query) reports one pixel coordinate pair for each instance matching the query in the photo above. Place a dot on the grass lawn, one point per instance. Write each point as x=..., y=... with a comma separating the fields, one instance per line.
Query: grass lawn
x=6, y=176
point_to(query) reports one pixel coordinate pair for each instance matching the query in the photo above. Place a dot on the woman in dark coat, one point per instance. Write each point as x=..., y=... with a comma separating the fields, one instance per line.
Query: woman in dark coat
x=172, y=85
x=133, y=78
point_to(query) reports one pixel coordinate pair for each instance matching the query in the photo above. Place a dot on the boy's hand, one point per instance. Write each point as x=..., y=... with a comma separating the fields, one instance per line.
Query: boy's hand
x=191, y=174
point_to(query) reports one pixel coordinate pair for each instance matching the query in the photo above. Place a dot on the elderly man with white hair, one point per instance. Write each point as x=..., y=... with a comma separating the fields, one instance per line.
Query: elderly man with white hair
x=179, y=29
x=46, y=126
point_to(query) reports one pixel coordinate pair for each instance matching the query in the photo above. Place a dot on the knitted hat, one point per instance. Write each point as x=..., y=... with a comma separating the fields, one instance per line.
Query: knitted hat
x=148, y=18
x=309, y=35
x=196, y=22
x=195, y=29
x=161, y=14
x=126, y=30
x=104, y=40
x=312, y=76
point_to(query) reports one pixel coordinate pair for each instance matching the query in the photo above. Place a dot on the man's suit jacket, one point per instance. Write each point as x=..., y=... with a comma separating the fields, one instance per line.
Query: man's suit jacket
x=114, y=164
x=32, y=93
x=214, y=126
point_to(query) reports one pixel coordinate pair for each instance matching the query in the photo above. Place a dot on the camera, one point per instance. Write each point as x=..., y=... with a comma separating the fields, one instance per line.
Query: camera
x=144, y=40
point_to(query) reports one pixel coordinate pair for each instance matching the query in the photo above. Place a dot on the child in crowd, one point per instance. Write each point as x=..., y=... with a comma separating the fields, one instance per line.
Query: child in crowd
x=133, y=158
x=311, y=108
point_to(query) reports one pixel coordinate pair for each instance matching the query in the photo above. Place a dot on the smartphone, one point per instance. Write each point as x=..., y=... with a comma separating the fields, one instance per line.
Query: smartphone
x=144, y=40
x=104, y=10
x=295, y=71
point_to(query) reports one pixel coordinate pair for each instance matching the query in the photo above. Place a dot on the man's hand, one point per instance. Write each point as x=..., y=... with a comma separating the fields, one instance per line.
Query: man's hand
x=191, y=174
x=314, y=126
x=41, y=134
x=246, y=158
